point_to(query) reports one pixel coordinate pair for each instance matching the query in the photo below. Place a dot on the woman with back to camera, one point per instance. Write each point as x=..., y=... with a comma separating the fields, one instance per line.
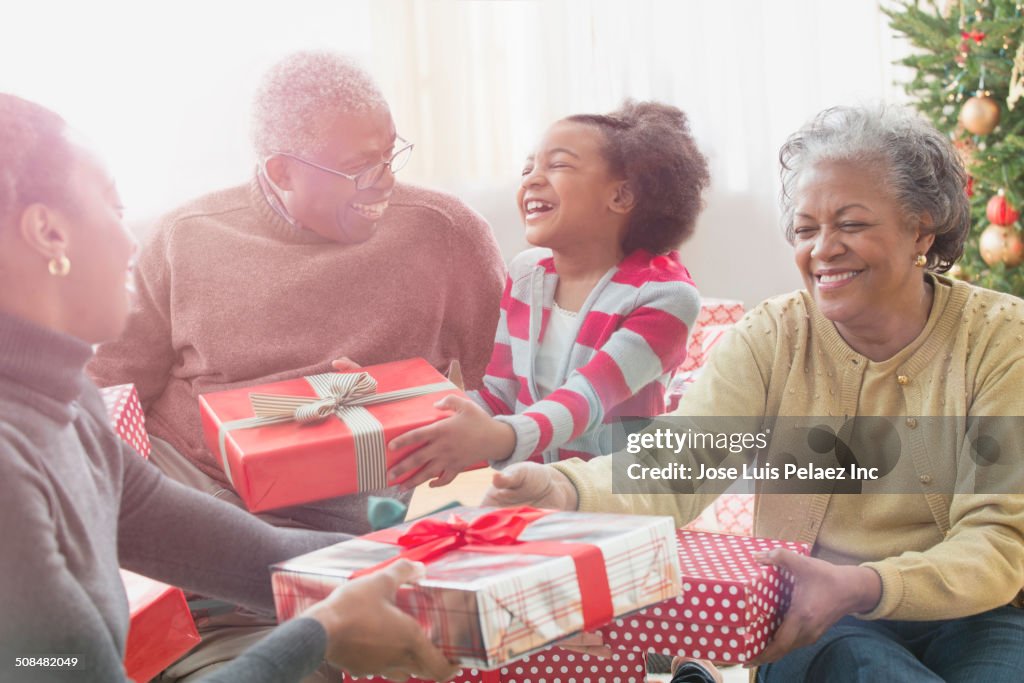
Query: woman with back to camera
x=75, y=502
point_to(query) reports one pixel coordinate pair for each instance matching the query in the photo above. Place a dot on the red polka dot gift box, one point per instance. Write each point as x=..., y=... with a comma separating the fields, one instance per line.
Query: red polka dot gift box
x=553, y=666
x=729, y=608
x=126, y=416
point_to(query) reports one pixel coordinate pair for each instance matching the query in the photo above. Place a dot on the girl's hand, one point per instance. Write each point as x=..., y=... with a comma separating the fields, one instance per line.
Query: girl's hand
x=448, y=447
x=823, y=593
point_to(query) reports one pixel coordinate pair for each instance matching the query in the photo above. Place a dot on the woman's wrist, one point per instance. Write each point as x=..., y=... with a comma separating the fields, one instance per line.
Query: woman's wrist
x=866, y=587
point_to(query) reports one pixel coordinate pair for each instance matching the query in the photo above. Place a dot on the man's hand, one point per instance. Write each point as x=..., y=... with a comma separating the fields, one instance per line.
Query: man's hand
x=368, y=634
x=452, y=445
x=528, y=483
x=346, y=364
x=823, y=593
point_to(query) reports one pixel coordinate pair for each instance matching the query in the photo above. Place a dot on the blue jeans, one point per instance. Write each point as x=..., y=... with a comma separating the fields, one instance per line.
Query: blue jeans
x=984, y=647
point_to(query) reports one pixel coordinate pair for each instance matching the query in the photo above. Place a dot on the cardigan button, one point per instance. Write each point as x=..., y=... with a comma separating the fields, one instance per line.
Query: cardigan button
x=925, y=479
x=912, y=423
x=902, y=380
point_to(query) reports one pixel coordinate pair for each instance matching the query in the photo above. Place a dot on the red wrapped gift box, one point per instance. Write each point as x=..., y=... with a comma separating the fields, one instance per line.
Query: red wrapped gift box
x=730, y=605
x=553, y=666
x=126, y=416
x=161, y=627
x=276, y=461
x=716, y=316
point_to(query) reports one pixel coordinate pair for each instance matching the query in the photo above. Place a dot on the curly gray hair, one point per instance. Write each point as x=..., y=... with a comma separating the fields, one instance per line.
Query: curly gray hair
x=298, y=89
x=923, y=171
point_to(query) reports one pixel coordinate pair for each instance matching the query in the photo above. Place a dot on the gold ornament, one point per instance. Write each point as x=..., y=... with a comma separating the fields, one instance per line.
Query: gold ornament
x=980, y=115
x=1016, y=79
x=956, y=272
x=1001, y=244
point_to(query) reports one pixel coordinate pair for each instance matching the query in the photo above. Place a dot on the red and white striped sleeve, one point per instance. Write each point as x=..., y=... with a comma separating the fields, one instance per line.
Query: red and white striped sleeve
x=625, y=354
x=498, y=394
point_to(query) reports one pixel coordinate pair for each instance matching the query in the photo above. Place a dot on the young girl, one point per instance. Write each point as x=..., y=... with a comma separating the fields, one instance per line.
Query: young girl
x=594, y=321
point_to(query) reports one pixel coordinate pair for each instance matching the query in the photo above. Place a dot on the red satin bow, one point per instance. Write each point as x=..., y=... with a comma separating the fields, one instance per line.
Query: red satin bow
x=976, y=36
x=493, y=532
x=430, y=538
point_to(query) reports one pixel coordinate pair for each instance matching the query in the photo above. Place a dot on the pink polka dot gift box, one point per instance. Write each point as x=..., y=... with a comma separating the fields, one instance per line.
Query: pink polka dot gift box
x=553, y=666
x=729, y=608
x=126, y=416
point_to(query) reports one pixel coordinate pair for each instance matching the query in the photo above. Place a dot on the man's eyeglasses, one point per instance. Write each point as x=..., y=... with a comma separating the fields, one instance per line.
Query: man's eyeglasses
x=367, y=177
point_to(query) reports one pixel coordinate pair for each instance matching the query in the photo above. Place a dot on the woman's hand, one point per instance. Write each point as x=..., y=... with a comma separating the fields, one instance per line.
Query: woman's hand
x=823, y=593
x=529, y=483
x=368, y=634
x=452, y=445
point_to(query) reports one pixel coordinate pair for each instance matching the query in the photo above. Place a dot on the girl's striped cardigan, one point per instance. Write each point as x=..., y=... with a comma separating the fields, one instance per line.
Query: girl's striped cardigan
x=632, y=335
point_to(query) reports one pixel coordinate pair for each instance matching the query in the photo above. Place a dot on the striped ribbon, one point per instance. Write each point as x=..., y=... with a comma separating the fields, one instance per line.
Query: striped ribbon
x=342, y=395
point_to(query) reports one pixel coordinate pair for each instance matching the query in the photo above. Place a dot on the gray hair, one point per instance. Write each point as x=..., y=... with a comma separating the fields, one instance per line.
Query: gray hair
x=296, y=91
x=922, y=170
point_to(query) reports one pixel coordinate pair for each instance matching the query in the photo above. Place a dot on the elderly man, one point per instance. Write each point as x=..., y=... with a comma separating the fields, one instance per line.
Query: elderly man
x=320, y=256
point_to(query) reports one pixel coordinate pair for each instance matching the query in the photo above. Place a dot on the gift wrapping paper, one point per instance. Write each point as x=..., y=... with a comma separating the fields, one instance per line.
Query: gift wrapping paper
x=281, y=461
x=485, y=609
x=729, y=608
x=126, y=416
x=714, y=318
x=554, y=665
x=161, y=628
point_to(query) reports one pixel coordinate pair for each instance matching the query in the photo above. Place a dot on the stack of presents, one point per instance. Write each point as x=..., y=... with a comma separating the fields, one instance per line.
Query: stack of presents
x=502, y=587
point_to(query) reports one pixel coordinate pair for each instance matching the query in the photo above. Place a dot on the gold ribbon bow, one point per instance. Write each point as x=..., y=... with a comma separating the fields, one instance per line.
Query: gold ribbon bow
x=342, y=396
x=341, y=390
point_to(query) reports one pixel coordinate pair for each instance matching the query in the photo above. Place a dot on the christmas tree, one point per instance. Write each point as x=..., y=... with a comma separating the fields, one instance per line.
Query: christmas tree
x=968, y=67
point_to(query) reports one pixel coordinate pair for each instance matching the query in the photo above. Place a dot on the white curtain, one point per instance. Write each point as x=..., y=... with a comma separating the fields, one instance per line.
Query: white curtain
x=163, y=90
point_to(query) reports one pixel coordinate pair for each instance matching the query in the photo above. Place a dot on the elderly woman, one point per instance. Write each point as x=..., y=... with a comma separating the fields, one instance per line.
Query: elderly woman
x=919, y=584
x=75, y=501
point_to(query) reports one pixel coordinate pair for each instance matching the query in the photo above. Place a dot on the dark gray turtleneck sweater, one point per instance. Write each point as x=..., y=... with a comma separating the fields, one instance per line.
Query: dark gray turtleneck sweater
x=75, y=502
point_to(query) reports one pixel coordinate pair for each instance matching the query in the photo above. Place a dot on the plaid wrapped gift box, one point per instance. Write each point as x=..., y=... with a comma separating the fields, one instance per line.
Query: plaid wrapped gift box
x=716, y=316
x=322, y=436
x=487, y=602
x=161, y=628
x=730, y=605
x=126, y=416
x=553, y=666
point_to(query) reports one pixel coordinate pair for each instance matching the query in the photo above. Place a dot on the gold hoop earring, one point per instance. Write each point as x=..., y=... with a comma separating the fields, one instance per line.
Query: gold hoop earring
x=921, y=261
x=59, y=266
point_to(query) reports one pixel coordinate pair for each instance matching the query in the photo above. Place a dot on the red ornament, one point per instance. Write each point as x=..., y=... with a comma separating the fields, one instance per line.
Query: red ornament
x=1000, y=212
x=970, y=186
